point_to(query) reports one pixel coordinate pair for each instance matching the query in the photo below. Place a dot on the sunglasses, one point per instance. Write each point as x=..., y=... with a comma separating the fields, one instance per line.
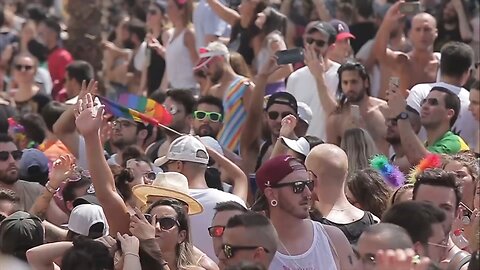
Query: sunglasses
x=273, y=115
x=2, y=217
x=320, y=43
x=477, y=65
x=23, y=67
x=229, y=250
x=166, y=223
x=216, y=231
x=212, y=116
x=78, y=173
x=150, y=175
x=297, y=186
x=430, y=101
x=16, y=154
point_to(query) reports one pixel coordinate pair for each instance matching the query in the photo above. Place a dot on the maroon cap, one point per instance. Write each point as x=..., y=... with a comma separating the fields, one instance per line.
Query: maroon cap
x=274, y=170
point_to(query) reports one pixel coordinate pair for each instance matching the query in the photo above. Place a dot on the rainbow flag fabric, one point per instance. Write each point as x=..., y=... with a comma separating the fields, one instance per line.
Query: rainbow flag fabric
x=145, y=111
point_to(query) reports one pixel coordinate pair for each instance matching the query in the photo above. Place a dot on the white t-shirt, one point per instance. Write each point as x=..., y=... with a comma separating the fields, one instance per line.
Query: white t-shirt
x=199, y=223
x=301, y=84
x=318, y=256
x=466, y=126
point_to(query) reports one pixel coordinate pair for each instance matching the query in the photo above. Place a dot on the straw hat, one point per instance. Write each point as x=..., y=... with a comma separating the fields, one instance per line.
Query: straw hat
x=169, y=185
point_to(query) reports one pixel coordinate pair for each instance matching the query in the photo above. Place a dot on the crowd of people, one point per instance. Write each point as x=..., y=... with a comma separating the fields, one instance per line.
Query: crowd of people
x=361, y=154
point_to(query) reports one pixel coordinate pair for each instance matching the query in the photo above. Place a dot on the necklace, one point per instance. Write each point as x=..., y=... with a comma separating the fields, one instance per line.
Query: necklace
x=289, y=254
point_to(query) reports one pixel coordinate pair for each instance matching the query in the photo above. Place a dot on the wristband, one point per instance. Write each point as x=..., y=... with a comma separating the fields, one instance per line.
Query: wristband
x=50, y=189
x=131, y=253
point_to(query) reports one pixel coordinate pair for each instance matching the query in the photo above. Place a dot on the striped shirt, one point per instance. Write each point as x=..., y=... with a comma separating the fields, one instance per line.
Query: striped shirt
x=235, y=114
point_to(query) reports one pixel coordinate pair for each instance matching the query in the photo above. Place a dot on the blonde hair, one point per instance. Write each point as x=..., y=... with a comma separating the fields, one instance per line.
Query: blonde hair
x=360, y=147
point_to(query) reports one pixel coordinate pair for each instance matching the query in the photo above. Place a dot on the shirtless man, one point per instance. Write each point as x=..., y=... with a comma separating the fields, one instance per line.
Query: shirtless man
x=419, y=65
x=354, y=90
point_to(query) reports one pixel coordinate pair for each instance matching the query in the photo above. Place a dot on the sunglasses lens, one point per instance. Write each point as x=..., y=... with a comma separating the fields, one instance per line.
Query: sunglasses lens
x=320, y=43
x=309, y=40
x=215, y=117
x=273, y=115
x=310, y=185
x=4, y=155
x=150, y=176
x=216, y=231
x=166, y=223
x=298, y=187
x=200, y=115
x=17, y=154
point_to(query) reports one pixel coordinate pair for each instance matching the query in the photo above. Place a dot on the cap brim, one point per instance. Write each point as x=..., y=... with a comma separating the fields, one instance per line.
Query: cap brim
x=159, y=162
x=86, y=199
x=294, y=145
x=202, y=62
x=142, y=192
x=345, y=35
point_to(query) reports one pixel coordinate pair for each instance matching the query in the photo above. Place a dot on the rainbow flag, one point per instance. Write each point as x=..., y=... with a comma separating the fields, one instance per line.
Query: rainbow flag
x=146, y=106
x=149, y=117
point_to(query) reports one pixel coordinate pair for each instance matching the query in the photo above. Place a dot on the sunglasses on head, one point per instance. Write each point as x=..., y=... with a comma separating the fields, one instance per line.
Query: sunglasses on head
x=16, y=154
x=216, y=231
x=23, y=67
x=273, y=115
x=229, y=250
x=297, y=186
x=320, y=43
x=78, y=173
x=430, y=101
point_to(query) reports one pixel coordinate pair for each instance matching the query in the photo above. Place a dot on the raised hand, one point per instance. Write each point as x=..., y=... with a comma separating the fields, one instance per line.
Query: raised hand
x=141, y=227
x=90, y=88
x=130, y=244
x=289, y=123
x=314, y=61
x=88, y=117
x=62, y=169
x=269, y=67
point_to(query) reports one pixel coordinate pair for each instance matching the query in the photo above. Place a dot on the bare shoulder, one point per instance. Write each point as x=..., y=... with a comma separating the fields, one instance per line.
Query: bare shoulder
x=335, y=234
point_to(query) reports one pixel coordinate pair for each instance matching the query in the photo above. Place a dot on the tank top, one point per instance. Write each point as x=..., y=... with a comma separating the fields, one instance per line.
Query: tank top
x=235, y=114
x=155, y=70
x=179, y=64
x=318, y=257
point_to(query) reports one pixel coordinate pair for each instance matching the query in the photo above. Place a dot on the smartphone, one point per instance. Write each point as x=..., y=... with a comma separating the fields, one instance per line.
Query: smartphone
x=290, y=56
x=410, y=8
x=355, y=111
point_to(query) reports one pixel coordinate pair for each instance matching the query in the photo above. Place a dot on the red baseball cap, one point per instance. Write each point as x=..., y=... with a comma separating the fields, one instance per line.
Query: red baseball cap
x=274, y=170
x=343, y=32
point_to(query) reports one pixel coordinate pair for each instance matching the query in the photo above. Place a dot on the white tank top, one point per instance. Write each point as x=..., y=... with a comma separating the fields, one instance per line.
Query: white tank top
x=179, y=65
x=318, y=257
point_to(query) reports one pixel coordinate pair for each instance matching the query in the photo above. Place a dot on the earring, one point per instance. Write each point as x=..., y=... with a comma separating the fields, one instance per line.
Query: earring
x=273, y=203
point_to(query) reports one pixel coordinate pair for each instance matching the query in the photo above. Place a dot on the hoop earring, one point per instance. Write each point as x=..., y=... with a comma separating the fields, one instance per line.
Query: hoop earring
x=273, y=203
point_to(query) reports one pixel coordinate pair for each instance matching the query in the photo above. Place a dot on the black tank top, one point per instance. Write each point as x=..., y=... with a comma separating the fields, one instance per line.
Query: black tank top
x=240, y=41
x=351, y=230
x=155, y=70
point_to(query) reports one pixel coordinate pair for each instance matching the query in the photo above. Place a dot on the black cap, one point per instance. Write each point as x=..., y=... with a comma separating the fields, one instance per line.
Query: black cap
x=284, y=98
x=88, y=198
x=324, y=28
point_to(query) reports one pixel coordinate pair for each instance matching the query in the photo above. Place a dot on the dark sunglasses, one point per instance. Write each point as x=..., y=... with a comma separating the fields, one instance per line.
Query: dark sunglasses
x=23, y=67
x=430, y=101
x=320, y=43
x=297, y=187
x=477, y=65
x=229, y=250
x=166, y=223
x=273, y=115
x=16, y=154
x=212, y=116
x=150, y=175
x=216, y=231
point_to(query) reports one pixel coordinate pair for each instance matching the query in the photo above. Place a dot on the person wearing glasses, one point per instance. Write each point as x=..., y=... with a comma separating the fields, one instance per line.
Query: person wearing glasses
x=439, y=111
x=208, y=116
x=328, y=166
x=223, y=212
x=287, y=188
x=424, y=223
x=248, y=237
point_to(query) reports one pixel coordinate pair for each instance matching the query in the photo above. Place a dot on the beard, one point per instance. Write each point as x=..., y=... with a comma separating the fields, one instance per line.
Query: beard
x=356, y=98
x=295, y=209
x=206, y=130
x=216, y=76
x=9, y=176
x=121, y=143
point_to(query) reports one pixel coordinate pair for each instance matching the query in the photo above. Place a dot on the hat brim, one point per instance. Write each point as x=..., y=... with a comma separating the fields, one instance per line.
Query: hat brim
x=202, y=62
x=345, y=35
x=293, y=145
x=142, y=192
x=86, y=199
x=159, y=162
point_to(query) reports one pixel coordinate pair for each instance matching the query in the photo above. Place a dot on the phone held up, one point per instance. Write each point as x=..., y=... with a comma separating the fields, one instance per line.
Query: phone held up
x=410, y=8
x=290, y=56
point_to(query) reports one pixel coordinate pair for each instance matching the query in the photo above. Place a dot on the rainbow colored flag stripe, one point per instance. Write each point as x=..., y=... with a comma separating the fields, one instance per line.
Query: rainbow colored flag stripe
x=150, y=117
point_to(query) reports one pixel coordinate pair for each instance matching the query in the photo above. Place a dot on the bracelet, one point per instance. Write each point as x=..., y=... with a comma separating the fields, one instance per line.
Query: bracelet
x=51, y=189
x=131, y=253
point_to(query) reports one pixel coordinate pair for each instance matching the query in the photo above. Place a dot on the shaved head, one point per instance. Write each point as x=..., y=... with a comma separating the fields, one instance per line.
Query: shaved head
x=424, y=18
x=329, y=163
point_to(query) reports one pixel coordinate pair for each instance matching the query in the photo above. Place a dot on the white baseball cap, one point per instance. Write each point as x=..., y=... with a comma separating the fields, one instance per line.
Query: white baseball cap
x=304, y=112
x=185, y=148
x=300, y=146
x=84, y=216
